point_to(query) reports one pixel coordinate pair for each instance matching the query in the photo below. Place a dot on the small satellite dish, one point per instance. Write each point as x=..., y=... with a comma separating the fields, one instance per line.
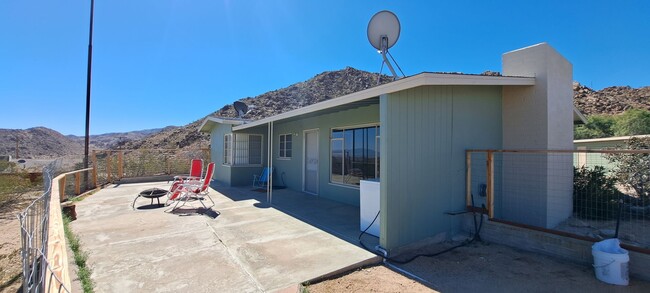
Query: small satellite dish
x=241, y=108
x=383, y=26
x=383, y=33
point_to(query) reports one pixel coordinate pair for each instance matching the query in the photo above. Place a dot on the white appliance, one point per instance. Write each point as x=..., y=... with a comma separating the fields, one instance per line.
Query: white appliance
x=369, y=205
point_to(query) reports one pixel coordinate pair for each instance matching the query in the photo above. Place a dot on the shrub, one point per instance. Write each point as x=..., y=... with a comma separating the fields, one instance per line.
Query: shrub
x=594, y=195
x=633, y=170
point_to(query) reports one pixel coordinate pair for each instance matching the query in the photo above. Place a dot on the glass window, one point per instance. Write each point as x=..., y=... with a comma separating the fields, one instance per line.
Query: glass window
x=227, y=149
x=354, y=154
x=255, y=149
x=242, y=149
x=285, y=146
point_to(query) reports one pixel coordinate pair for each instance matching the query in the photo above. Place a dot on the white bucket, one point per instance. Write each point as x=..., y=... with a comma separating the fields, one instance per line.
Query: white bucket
x=611, y=262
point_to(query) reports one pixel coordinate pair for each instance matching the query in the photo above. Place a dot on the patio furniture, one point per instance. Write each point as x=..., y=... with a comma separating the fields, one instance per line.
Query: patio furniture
x=262, y=180
x=151, y=193
x=196, y=171
x=191, y=190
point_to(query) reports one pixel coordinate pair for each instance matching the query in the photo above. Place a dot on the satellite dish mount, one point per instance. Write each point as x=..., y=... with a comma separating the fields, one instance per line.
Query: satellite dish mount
x=383, y=32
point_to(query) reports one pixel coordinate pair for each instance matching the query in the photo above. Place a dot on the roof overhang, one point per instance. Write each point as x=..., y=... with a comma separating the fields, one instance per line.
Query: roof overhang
x=422, y=79
x=210, y=122
x=578, y=117
x=608, y=139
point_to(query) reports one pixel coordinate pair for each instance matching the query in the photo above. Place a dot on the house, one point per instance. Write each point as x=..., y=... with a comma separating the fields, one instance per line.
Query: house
x=589, y=160
x=411, y=135
x=618, y=142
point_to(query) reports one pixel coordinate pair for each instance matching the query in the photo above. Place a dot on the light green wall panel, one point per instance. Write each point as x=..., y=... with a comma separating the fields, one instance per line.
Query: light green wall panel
x=291, y=171
x=425, y=132
x=590, y=160
x=222, y=173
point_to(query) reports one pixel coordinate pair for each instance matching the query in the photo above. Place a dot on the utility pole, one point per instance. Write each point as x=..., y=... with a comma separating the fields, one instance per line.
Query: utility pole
x=88, y=79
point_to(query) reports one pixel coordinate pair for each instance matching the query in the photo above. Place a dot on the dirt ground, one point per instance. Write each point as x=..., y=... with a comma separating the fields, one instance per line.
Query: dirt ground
x=373, y=279
x=10, y=261
x=479, y=267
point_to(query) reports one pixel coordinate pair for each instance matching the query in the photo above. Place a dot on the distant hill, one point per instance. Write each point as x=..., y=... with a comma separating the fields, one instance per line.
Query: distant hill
x=43, y=143
x=37, y=142
x=117, y=139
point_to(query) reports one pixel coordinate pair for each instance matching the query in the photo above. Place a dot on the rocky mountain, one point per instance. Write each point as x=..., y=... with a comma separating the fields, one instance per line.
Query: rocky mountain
x=331, y=84
x=610, y=100
x=42, y=142
x=116, y=139
x=37, y=142
x=322, y=87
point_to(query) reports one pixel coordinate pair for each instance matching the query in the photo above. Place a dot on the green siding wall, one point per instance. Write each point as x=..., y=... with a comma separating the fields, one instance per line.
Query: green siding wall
x=233, y=175
x=590, y=160
x=222, y=173
x=291, y=170
x=425, y=132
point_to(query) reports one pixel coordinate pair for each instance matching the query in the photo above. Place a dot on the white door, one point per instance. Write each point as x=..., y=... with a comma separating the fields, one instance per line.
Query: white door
x=310, y=170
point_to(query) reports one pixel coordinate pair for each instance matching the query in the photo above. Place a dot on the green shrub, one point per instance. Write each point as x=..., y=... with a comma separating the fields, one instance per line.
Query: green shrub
x=594, y=195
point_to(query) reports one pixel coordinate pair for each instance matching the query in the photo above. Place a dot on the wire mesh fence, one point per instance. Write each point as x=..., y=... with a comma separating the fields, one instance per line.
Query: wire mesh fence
x=597, y=194
x=108, y=166
x=34, y=221
x=113, y=165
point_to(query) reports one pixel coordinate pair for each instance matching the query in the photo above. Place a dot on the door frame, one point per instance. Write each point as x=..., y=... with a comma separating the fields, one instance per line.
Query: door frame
x=304, y=159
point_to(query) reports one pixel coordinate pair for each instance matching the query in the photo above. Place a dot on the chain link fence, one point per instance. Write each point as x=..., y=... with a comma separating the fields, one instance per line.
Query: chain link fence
x=34, y=221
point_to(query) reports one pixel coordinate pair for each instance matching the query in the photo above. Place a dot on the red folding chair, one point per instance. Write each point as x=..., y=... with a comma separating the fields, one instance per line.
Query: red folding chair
x=192, y=190
x=196, y=171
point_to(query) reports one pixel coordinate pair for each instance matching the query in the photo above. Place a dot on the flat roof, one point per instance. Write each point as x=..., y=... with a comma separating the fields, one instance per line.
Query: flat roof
x=422, y=79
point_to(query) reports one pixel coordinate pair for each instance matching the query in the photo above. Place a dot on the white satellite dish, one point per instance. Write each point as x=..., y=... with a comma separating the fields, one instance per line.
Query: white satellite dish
x=383, y=33
x=384, y=25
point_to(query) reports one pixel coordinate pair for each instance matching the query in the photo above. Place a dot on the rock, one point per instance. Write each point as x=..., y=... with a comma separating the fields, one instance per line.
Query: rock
x=460, y=237
x=573, y=222
x=607, y=233
x=69, y=209
x=628, y=237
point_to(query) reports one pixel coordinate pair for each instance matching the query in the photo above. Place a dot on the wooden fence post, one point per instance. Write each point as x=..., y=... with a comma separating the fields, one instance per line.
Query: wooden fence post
x=120, y=165
x=62, y=188
x=94, y=169
x=108, y=166
x=490, y=184
x=77, y=183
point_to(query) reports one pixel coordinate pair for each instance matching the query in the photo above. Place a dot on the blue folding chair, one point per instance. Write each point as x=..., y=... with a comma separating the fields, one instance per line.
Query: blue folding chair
x=262, y=180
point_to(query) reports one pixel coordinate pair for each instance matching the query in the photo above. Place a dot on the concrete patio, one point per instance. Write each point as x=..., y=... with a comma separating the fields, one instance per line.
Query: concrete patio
x=247, y=245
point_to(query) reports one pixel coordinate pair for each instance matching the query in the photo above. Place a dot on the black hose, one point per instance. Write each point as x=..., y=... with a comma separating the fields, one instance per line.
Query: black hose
x=373, y=221
x=620, y=213
x=476, y=236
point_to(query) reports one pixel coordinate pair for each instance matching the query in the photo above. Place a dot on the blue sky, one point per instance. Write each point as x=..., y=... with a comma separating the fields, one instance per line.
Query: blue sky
x=171, y=62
